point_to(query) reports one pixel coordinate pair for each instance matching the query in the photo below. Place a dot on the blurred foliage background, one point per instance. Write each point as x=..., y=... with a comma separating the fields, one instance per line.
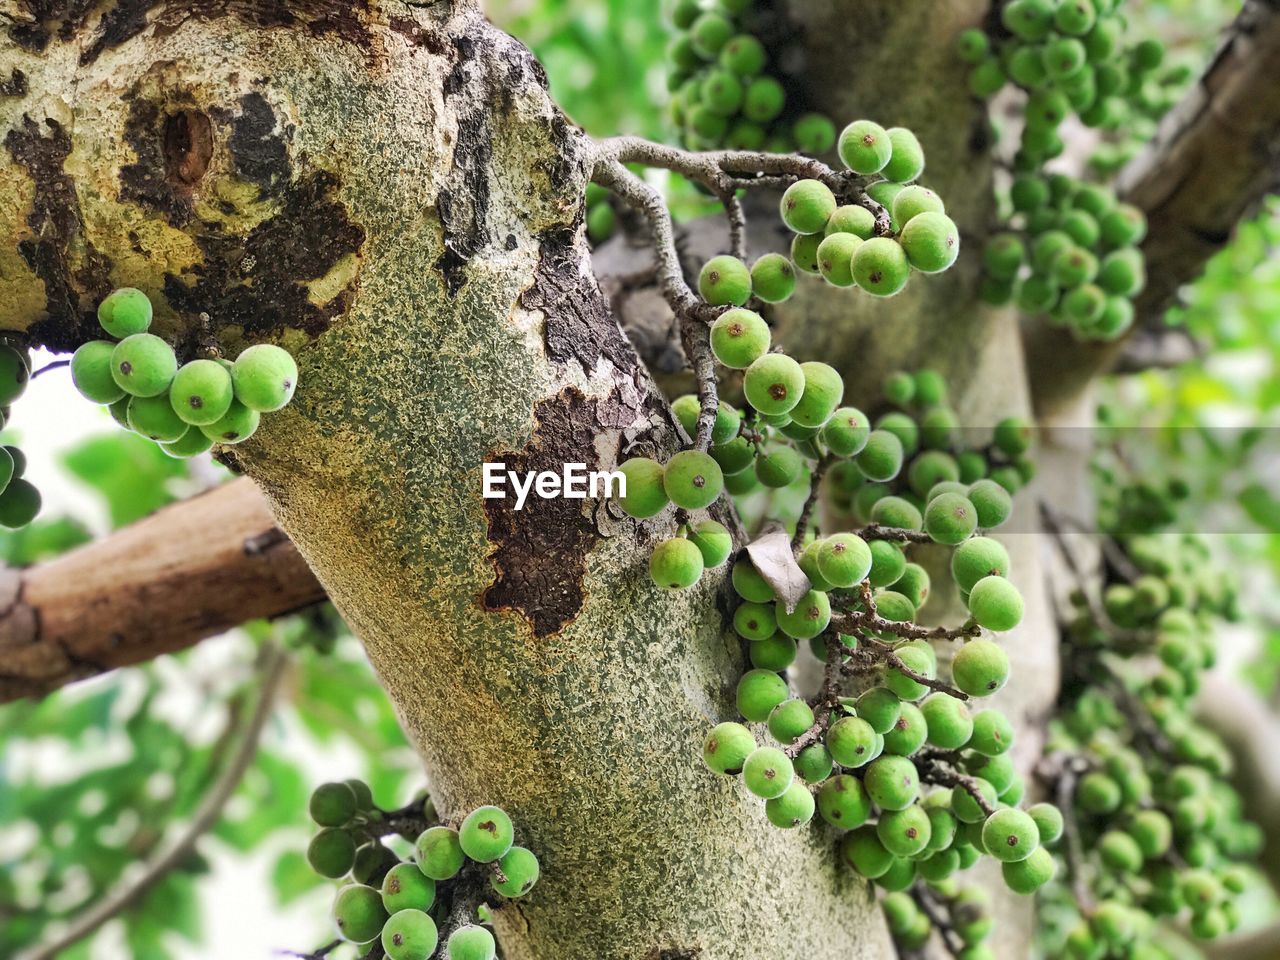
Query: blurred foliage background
x=97, y=778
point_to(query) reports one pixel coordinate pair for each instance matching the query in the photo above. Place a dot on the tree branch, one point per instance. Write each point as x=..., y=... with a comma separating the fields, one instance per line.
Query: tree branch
x=811, y=501
x=1260, y=944
x=191, y=571
x=828, y=698
x=726, y=171
x=206, y=816
x=1214, y=159
x=691, y=312
x=875, y=531
x=632, y=190
x=935, y=770
x=939, y=916
x=867, y=620
x=1249, y=727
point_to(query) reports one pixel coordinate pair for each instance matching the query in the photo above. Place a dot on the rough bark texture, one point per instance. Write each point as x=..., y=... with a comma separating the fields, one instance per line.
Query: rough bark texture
x=1214, y=160
x=390, y=192
x=191, y=571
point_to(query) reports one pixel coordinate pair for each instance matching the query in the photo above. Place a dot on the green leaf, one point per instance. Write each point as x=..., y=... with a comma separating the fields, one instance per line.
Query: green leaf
x=1262, y=508
x=41, y=540
x=292, y=876
x=131, y=474
x=172, y=905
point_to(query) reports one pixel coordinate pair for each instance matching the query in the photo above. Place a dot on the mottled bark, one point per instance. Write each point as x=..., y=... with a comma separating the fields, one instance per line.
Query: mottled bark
x=389, y=191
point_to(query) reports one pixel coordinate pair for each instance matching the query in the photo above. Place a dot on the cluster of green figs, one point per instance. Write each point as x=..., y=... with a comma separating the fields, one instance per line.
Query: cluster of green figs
x=184, y=409
x=1163, y=829
x=869, y=766
x=1070, y=56
x=1073, y=256
x=395, y=903
x=723, y=93
x=19, y=498
x=1071, y=252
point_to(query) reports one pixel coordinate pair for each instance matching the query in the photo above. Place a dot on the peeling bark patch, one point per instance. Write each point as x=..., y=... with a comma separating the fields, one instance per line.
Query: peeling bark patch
x=55, y=222
x=259, y=282
x=567, y=156
x=15, y=86
x=125, y=20
x=418, y=35
x=145, y=182
x=578, y=325
x=61, y=16
x=347, y=19
x=540, y=552
x=258, y=150
x=464, y=205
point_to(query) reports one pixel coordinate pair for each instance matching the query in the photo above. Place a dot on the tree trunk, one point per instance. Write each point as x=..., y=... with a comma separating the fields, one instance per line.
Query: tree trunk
x=389, y=191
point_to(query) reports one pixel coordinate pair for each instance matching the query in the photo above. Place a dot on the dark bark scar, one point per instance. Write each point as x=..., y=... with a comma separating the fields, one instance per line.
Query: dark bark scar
x=540, y=552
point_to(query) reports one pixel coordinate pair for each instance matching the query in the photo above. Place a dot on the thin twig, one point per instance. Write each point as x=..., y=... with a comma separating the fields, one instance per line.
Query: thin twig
x=691, y=312
x=811, y=502
x=1140, y=719
x=933, y=910
x=935, y=771
x=317, y=954
x=1115, y=556
x=206, y=816
x=869, y=620
x=828, y=697
x=648, y=201
x=52, y=365
x=724, y=171
x=853, y=620
x=895, y=662
x=875, y=531
x=407, y=821
x=1096, y=610
x=1063, y=771
x=737, y=226
x=695, y=338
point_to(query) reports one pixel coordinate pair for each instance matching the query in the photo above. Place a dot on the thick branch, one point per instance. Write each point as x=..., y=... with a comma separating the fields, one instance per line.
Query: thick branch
x=206, y=815
x=644, y=198
x=190, y=571
x=1215, y=158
